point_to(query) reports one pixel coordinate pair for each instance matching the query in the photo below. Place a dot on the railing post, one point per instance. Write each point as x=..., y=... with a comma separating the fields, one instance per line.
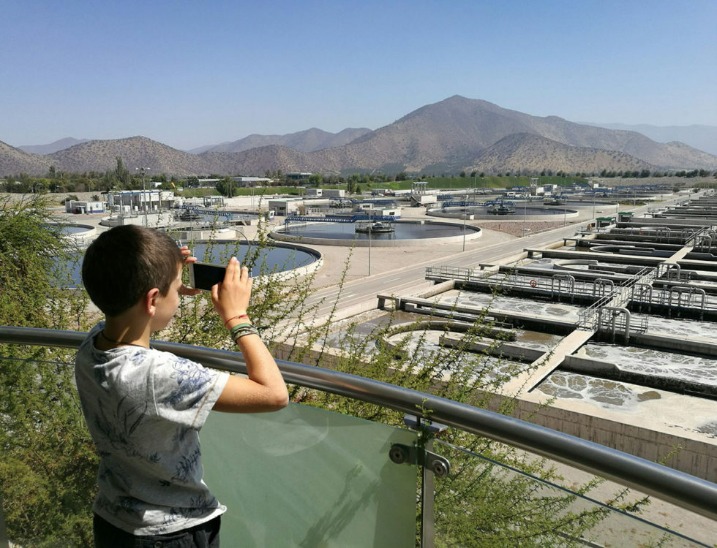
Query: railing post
x=4, y=543
x=428, y=488
x=432, y=465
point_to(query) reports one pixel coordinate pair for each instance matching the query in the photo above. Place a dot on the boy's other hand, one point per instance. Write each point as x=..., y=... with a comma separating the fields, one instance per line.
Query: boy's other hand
x=187, y=258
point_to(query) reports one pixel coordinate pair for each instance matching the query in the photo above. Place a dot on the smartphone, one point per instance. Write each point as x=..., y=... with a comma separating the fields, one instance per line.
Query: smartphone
x=205, y=275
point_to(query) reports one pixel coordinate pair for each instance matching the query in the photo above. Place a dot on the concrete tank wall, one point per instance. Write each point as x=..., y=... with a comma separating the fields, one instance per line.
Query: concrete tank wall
x=694, y=457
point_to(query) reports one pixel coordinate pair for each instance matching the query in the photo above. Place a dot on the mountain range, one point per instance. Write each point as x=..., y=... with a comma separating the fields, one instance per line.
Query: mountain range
x=698, y=136
x=309, y=140
x=453, y=135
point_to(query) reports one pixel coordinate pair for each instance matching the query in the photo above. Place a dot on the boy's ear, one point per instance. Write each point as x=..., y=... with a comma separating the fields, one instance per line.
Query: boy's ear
x=150, y=304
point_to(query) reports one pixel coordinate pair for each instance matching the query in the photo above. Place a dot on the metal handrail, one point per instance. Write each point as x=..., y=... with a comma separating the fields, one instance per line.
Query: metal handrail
x=679, y=488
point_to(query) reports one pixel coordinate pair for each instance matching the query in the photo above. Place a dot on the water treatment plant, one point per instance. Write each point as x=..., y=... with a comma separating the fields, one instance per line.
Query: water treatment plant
x=606, y=309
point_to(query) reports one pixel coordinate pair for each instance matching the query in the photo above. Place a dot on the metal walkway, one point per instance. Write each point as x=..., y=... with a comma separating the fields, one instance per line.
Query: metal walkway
x=338, y=218
x=608, y=314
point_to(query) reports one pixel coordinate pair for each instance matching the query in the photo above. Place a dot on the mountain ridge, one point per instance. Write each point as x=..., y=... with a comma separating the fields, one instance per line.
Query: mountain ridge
x=308, y=140
x=699, y=136
x=55, y=146
x=452, y=135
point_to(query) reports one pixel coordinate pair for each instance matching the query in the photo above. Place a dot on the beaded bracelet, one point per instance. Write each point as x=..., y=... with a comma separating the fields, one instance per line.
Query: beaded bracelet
x=242, y=329
x=237, y=317
x=238, y=327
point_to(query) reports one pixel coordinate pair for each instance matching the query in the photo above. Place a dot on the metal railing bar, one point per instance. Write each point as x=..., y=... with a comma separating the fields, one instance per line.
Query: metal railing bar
x=679, y=488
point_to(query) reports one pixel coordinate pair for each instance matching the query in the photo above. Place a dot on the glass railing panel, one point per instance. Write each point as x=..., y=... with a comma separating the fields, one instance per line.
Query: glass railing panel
x=485, y=503
x=309, y=477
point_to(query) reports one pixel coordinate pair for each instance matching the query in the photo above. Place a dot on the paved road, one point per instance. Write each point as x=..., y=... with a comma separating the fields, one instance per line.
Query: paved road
x=361, y=293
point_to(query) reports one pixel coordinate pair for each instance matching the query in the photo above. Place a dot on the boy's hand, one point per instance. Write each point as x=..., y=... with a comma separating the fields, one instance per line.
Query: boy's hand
x=188, y=258
x=231, y=297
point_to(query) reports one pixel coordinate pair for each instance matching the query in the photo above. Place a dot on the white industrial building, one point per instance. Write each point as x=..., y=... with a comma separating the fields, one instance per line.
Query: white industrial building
x=140, y=201
x=285, y=206
x=251, y=181
x=84, y=207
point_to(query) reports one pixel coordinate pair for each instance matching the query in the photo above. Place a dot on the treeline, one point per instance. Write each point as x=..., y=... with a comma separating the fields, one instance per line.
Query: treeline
x=58, y=182
x=123, y=178
x=647, y=173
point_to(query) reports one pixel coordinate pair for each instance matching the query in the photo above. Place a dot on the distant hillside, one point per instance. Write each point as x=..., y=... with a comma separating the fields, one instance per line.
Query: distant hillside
x=525, y=151
x=257, y=161
x=304, y=141
x=14, y=161
x=135, y=152
x=61, y=144
x=698, y=136
x=453, y=135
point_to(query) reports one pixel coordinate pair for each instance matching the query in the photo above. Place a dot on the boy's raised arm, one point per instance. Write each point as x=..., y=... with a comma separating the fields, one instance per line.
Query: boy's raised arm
x=265, y=389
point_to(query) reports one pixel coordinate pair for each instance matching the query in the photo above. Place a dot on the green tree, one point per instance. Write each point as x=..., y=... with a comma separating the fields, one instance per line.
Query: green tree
x=352, y=184
x=121, y=173
x=225, y=187
x=47, y=460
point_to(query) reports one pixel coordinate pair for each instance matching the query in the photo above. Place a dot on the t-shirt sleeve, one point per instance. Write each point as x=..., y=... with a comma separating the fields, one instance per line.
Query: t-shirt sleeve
x=185, y=391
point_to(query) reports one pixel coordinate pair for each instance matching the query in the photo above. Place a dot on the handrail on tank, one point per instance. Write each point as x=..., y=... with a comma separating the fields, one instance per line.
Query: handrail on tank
x=679, y=488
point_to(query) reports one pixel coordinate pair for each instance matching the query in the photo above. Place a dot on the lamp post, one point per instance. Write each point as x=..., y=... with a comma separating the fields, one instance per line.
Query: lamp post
x=465, y=214
x=144, y=192
x=370, y=229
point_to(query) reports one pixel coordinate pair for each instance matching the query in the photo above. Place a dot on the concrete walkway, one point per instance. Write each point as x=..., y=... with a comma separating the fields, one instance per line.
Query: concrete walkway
x=540, y=369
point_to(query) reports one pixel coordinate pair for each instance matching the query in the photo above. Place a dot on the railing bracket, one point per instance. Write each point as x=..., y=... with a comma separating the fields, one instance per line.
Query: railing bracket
x=405, y=454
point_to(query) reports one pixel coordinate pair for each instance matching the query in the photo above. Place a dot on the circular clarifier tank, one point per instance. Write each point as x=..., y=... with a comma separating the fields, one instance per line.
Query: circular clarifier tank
x=404, y=233
x=262, y=260
x=517, y=211
x=275, y=259
x=76, y=232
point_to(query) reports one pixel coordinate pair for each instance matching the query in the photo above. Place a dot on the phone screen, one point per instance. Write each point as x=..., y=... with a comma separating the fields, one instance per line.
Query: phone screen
x=204, y=276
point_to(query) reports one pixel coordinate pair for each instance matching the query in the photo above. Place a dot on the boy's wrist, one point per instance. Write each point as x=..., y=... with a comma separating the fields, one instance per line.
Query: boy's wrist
x=241, y=317
x=242, y=329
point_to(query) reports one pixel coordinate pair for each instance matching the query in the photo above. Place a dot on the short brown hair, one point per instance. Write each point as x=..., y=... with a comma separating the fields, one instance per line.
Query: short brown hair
x=125, y=262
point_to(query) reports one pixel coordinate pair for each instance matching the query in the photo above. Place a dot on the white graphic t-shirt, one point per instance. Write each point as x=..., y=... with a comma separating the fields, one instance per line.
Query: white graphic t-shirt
x=144, y=409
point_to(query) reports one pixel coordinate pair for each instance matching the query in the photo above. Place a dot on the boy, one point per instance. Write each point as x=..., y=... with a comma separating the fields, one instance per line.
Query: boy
x=144, y=408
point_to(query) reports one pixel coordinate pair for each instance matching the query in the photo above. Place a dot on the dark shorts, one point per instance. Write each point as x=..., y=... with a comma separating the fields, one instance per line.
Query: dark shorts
x=205, y=535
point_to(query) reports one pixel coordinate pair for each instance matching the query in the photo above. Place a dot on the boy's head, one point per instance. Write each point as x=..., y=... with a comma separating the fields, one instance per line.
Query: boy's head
x=125, y=262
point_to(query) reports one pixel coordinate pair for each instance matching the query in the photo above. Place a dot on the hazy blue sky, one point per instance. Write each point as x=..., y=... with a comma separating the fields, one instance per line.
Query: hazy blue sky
x=197, y=72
